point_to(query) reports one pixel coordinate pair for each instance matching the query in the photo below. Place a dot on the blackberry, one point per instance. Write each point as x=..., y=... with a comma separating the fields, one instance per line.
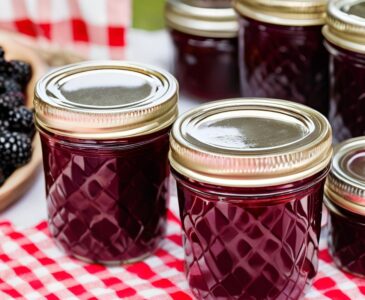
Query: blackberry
x=11, y=100
x=15, y=148
x=21, y=120
x=2, y=52
x=5, y=172
x=5, y=67
x=20, y=71
x=4, y=125
x=9, y=85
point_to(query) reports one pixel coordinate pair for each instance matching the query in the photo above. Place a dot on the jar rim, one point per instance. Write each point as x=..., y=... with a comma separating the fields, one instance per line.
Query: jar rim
x=250, y=142
x=345, y=184
x=346, y=24
x=201, y=21
x=105, y=100
x=284, y=12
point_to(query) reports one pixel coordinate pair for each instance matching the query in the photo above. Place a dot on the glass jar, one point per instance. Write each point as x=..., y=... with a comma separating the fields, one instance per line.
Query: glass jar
x=205, y=50
x=105, y=136
x=345, y=200
x=281, y=51
x=345, y=41
x=250, y=175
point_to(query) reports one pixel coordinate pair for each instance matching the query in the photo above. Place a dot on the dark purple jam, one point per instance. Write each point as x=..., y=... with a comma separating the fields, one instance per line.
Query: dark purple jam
x=347, y=93
x=251, y=243
x=284, y=62
x=206, y=68
x=107, y=200
x=346, y=239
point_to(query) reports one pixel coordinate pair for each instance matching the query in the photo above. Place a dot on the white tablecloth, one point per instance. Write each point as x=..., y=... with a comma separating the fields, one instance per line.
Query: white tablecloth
x=145, y=47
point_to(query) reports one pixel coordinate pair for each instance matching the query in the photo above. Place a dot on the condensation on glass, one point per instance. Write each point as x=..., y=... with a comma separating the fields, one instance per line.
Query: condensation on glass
x=345, y=41
x=250, y=175
x=281, y=51
x=205, y=48
x=345, y=200
x=104, y=129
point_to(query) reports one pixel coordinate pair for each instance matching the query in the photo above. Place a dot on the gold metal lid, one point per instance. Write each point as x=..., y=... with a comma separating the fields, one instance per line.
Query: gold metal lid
x=209, y=3
x=105, y=99
x=284, y=12
x=346, y=24
x=250, y=142
x=345, y=184
x=201, y=21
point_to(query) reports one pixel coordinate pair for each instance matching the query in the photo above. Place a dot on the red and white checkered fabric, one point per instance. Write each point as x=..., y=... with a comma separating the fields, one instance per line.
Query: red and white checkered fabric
x=32, y=267
x=95, y=28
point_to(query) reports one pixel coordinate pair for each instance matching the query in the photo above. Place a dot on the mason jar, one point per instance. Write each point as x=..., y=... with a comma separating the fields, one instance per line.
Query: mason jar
x=281, y=51
x=345, y=41
x=345, y=200
x=104, y=129
x=205, y=47
x=250, y=175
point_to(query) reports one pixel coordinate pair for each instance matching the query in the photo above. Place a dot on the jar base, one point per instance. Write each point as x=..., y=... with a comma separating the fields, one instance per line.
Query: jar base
x=113, y=262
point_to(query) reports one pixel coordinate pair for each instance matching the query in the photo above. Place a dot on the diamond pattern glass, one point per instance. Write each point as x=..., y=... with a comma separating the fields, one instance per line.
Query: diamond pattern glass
x=107, y=200
x=284, y=62
x=258, y=243
x=346, y=241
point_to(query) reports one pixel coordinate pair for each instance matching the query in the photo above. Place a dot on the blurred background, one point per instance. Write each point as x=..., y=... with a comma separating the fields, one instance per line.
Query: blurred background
x=93, y=28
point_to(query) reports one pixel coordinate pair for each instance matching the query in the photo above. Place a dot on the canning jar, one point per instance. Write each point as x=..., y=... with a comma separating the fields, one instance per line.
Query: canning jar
x=104, y=129
x=205, y=48
x=281, y=51
x=345, y=41
x=345, y=200
x=250, y=176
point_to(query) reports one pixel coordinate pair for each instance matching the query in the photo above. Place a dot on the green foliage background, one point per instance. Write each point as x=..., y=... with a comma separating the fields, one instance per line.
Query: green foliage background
x=148, y=14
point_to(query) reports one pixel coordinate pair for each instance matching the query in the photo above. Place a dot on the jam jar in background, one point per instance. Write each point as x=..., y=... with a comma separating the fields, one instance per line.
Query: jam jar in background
x=205, y=47
x=104, y=129
x=250, y=175
x=281, y=51
x=345, y=41
x=345, y=200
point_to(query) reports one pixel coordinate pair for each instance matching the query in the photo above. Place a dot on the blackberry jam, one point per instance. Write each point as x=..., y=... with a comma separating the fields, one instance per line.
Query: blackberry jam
x=205, y=50
x=345, y=42
x=281, y=51
x=105, y=138
x=345, y=200
x=251, y=223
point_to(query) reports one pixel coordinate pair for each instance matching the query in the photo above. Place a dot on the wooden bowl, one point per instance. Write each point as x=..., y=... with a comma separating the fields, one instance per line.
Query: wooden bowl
x=19, y=182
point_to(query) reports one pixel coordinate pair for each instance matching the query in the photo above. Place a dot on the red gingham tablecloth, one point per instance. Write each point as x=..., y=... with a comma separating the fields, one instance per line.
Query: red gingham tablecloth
x=32, y=267
x=95, y=28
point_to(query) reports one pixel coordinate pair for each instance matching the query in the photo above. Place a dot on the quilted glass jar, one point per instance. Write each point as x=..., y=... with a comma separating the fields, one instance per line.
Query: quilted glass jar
x=345, y=200
x=250, y=175
x=205, y=50
x=345, y=41
x=281, y=51
x=105, y=137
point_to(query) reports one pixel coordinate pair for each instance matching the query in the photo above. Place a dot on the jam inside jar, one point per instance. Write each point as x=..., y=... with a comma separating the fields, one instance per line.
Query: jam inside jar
x=345, y=42
x=345, y=200
x=205, y=48
x=105, y=138
x=281, y=55
x=251, y=224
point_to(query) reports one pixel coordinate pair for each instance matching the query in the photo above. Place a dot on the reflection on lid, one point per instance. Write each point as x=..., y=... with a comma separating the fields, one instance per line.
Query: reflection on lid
x=105, y=88
x=247, y=130
x=356, y=9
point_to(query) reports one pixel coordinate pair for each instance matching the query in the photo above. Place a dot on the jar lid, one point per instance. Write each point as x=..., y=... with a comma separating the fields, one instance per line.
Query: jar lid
x=250, y=142
x=105, y=99
x=284, y=12
x=346, y=182
x=201, y=21
x=209, y=3
x=346, y=24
